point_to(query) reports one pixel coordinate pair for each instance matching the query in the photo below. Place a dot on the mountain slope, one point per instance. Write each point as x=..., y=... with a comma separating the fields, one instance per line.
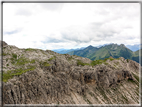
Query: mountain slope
x=134, y=47
x=64, y=51
x=84, y=52
x=136, y=56
x=106, y=51
x=34, y=76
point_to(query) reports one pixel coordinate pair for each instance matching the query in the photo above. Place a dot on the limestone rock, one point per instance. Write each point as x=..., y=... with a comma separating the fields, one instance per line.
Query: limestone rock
x=53, y=78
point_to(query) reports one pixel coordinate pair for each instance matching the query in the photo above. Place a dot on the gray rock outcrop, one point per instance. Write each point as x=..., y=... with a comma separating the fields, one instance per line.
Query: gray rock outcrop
x=59, y=79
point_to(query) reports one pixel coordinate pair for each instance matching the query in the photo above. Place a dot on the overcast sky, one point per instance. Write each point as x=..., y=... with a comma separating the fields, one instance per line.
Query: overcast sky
x=70, y=25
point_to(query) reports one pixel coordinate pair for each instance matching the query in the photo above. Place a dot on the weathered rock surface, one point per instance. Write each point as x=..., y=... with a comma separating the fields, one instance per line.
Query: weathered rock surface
x=59, y=79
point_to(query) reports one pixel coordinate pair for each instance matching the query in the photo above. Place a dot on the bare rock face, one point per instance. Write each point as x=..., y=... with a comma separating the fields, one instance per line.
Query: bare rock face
x=3, y=43
x=61, y=79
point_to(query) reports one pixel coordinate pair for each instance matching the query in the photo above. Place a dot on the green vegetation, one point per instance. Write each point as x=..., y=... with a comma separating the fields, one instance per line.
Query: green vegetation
x=106, y=63
x=114, y=65
x=136, y=77
x=29, y=49
x=44, y=64
x=4, y=54
x=81, y=63
x=65, y=54
x=127, y=60
x=51, y=58
x=32, y=61
x=111, y=59
x=14, y=55
x=95, y=62
x=9, y=74
x=20, y=61
x=113, y=50
x=135, y=82
x=70, y=58
x=129, y=80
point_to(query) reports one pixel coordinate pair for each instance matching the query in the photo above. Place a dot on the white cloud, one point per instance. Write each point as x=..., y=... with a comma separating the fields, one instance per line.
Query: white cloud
x=70, y=25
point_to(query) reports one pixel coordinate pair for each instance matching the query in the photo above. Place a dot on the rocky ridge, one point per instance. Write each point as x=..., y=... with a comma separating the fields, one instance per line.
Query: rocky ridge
x=34, y=76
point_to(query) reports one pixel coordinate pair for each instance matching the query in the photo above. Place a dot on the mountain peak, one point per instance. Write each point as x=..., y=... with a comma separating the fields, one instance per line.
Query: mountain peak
x=90, y=46
x=122, y=45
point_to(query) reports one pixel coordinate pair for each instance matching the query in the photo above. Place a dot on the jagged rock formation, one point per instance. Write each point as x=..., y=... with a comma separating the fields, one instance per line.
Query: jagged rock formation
x=33, y=76
x=3, y=44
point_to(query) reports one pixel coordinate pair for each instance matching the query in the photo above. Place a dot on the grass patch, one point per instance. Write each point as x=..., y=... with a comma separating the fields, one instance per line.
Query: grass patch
x=106, y=63
x=29, y=49
x=97, y=62
x=44, y=64
x=4, y=54
x=70, y=58
x=114, y=65
x=127, y=60
x=132, y=81
x=51, y=58
x=81, y=63
x=21, y=61
x=14, y=56
x=129, y=80
x=111, y=59
x=11, y=73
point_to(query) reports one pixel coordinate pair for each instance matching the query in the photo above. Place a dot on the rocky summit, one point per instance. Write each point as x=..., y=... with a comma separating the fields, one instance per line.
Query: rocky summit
x=34, y=76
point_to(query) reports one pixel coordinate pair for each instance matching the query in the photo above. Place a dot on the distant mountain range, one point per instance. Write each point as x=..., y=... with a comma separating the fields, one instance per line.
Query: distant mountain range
x=64, y=51
x=106, y=51
x=134, y=47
